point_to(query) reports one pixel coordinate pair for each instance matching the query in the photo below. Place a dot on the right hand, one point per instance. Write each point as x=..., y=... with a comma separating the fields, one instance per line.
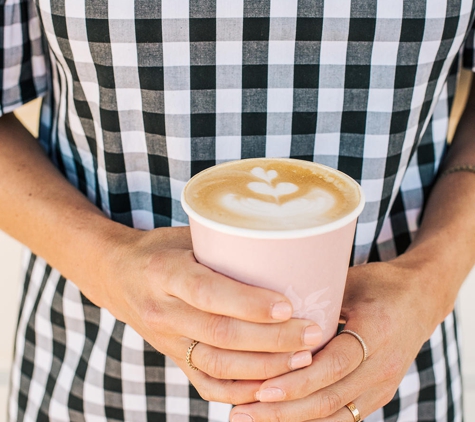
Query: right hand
x=149, y=280
x=155, y=285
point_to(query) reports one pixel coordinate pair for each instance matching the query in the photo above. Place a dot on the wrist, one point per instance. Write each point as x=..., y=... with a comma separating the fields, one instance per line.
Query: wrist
x=92, y=260
x=432, y=283
x=128, y=253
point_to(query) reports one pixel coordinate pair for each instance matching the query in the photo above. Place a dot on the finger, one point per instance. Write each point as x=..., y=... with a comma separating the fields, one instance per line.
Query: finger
x=323, y=404
x=223, y=391
x=212, y=292
x=227, y=364
x=349, y=413
x=233, y=334
x=295, y=411
x=339, y=358
x=366, y=404
x=178, y=319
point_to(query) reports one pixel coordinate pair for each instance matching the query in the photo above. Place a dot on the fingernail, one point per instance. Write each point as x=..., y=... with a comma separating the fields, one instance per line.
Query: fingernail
x=300, y=359
x=312, y=335
x=281, y=311
x=241, y=417
x=271, y=394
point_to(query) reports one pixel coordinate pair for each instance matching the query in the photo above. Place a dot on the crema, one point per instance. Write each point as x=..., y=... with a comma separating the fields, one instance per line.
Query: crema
x=272, y=194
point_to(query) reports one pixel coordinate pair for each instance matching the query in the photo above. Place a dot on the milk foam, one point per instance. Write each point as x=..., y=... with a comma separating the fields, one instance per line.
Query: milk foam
x=266, y=187
x=272, y=195
x=310, y=206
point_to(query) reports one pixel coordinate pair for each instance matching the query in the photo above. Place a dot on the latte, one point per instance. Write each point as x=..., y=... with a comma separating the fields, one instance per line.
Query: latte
x=272, y=194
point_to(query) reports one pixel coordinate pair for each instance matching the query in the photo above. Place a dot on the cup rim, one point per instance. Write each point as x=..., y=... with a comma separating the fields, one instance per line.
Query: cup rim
x=277, y=234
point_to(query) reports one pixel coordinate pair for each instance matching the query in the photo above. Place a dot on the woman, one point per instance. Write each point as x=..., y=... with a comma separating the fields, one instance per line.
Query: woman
x=141, y=95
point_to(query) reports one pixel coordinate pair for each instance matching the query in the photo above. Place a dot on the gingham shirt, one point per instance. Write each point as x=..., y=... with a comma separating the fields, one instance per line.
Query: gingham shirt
x=142, y=94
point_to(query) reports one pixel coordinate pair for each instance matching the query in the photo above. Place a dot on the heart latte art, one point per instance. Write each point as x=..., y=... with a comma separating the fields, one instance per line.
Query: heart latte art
x=316, y=201
x=272, y=194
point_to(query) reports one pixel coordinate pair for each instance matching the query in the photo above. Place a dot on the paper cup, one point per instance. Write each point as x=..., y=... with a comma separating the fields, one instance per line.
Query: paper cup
x=309, y=266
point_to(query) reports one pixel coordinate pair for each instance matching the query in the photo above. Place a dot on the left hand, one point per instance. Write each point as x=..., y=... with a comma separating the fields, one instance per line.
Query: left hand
x=386, y=304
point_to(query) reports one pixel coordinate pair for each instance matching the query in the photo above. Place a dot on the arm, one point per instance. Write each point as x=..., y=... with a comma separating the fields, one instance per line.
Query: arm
x=395, y=306
x=149, y=280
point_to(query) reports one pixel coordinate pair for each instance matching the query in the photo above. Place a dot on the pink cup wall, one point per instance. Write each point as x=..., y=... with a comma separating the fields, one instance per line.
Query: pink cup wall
x=310, y=271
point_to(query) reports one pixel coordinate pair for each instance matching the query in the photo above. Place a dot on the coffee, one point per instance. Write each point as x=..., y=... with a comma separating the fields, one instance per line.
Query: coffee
x=272, y=194
x=280, y=224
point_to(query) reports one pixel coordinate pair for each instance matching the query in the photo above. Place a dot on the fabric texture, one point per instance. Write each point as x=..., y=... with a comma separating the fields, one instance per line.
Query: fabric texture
x=140, y=95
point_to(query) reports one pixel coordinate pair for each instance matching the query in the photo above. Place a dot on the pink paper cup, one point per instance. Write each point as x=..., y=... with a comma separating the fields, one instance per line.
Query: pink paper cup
x=309, y=266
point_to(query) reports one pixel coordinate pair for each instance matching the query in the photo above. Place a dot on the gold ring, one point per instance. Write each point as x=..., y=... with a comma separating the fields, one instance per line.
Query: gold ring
x=188, y=355
x=358, y=337
x=354, y=411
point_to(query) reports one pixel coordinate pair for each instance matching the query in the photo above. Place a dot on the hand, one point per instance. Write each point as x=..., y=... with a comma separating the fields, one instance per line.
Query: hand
x=149, y=280
x=383, y=304
x=154, y=284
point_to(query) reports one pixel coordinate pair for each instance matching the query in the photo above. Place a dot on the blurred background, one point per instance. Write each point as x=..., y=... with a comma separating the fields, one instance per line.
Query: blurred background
x=10, y=283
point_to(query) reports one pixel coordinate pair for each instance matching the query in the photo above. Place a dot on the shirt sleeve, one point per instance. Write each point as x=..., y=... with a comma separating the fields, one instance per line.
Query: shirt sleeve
x=22, y=59
x=469, y=50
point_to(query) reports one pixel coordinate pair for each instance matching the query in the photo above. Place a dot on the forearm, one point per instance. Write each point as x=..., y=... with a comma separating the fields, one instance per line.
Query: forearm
x=150, y=279
x=41, y=209
x=444, y=247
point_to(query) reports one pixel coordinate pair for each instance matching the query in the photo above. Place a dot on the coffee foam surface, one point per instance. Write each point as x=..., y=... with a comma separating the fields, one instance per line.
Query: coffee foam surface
x=272, y=194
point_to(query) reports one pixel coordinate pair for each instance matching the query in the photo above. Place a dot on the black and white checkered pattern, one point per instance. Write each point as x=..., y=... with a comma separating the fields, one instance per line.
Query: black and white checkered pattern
x=142, y=94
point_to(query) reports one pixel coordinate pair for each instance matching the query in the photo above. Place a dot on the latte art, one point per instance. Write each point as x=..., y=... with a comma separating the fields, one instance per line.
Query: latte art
x=275, y=191
x=315, y=203
x=272, y=194
x=266, y=188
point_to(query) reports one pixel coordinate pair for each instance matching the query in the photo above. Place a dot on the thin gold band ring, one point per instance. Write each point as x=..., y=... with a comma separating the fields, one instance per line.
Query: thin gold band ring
x=188, y=355
x=358, y=337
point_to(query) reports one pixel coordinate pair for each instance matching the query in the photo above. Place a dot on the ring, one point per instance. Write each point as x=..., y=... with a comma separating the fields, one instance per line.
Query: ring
x=358, y=337
x=354, y=411
x=188, y=355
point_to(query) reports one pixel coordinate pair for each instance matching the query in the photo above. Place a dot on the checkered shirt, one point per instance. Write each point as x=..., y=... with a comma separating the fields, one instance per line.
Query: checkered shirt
x=140, y=95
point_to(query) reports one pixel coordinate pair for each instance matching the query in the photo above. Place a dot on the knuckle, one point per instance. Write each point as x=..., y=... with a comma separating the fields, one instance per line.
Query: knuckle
x=207, y=391
x=204, y=391
x=153, y=317
x=300, y=391
x=392, y=368
x=279, y=416
x=280, y=336
x=214, y=366
x=199, y=290
x=268, y=368
x=307, y=385
x=339, y=363
x=220, y=331
x=328, y=403
x=155, y=265
x=226, y=393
